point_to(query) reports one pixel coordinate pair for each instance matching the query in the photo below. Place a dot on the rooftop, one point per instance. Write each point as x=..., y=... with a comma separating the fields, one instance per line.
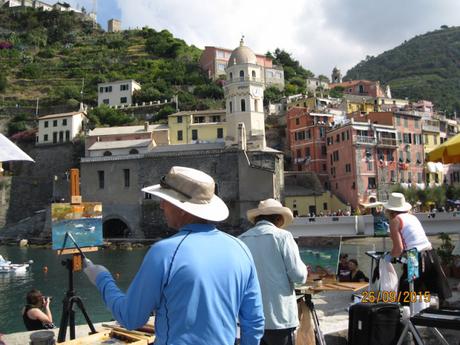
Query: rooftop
x=126, y=130
x=52, y=116
x=198, y=112
x=120, y=144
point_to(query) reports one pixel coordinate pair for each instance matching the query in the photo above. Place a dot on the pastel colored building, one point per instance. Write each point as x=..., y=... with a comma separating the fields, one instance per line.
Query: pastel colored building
x=113, y=25
x=120, y=147
x=117, y=93
x=60, y=128
x=214, y=62
x=361, y=88
x=306, y=133
x=157, y=134
x=191, y=127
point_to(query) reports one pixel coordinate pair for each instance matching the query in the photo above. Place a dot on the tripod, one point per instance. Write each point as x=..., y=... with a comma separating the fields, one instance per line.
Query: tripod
x=68, y=312
x=319, y=337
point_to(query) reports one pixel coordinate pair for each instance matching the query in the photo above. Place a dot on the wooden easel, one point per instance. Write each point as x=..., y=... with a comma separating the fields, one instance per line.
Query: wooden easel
x=72, y=265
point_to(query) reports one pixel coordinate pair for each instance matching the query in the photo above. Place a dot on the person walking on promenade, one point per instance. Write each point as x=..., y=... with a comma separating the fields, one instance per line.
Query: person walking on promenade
x=199, y=282
x=406, y=233
x=37, y=313
x=279, y=266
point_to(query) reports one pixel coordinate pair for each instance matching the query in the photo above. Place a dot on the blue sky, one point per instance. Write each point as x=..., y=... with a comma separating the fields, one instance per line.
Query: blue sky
x=320, y=34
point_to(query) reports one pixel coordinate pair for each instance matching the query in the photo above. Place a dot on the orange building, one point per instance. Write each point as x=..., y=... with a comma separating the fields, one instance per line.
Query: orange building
x=306, y=133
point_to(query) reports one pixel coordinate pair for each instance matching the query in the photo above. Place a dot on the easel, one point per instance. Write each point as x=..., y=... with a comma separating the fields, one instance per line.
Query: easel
x=73, y=265
x=319, y=336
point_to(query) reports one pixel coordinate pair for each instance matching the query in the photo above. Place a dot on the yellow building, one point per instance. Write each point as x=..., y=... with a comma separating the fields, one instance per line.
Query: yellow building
x=304, y=195
x=432, y=139
x=201, y=126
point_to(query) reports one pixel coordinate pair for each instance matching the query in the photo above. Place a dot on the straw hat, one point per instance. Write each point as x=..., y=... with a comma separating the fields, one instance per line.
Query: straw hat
x=268, y=207
x=397, y=202
x=192, y=191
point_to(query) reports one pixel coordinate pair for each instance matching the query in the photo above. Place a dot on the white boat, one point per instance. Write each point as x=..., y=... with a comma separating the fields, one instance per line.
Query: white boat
x=6, y=266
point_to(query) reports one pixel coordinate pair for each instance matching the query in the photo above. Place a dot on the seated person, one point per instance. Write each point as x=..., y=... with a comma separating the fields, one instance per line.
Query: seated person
x=36, y=313
x=355, y=274
x=343, y=271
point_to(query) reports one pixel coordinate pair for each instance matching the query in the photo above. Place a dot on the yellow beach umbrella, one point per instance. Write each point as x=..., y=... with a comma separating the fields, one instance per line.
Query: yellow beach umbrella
x=447, y=152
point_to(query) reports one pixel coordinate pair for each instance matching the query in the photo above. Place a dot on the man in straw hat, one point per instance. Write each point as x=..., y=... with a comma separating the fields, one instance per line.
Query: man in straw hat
x=199, y=281
x=406, y=233
x=279, y=266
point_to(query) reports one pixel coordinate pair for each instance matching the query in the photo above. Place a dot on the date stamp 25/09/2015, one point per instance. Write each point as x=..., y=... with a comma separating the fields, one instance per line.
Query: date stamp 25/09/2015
x=395, y=297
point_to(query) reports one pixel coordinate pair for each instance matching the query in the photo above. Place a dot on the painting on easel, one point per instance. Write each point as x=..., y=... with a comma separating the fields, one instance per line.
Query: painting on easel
x=83, y=221
x=320, y=253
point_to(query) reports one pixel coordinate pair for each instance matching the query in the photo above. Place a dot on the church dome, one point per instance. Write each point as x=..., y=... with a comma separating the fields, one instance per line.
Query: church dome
x=242, y=55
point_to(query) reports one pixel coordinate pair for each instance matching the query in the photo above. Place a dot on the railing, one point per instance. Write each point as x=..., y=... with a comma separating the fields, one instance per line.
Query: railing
x=242, y=79
x=430, y=128
x=387, y=141
x=360, y=139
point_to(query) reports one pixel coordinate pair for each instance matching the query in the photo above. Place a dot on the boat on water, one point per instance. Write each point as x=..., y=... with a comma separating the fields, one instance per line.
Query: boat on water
x=7, y=267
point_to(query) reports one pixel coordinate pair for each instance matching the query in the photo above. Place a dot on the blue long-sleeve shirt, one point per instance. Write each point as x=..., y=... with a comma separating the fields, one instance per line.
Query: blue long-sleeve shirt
x=199, y=282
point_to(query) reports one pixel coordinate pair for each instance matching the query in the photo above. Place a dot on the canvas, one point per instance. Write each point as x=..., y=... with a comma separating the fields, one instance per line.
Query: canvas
x=320, y=253
x=83, y=221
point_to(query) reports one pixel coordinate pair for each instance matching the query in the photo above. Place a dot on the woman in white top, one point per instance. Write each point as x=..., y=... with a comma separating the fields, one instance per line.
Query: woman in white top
x=406, y=233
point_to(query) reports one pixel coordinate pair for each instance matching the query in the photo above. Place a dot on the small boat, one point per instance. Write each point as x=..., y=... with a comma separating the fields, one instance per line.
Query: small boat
x=6, y=266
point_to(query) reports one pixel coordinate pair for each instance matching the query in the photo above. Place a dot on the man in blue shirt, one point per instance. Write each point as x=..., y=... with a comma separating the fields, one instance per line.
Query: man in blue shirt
x=279, y=266
x=200, y=282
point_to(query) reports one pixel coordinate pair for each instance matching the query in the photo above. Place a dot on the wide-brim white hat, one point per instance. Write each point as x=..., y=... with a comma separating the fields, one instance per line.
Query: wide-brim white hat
x=190, y=190
x=268, y=207
x=397, y=202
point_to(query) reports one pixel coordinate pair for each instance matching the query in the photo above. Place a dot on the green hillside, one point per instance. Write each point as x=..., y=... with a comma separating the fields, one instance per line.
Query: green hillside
x=425, y=67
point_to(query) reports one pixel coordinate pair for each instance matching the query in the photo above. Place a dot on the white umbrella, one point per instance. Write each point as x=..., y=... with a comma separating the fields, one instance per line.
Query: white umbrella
x=10, y=152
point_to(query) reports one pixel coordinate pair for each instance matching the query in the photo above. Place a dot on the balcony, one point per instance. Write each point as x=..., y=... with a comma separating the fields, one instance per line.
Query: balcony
x=360, y=139
x=243, y=79
x=389, y=142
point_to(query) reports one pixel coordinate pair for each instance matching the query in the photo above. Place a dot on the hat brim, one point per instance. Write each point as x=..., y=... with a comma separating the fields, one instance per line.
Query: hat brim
x=406, y=207
x=215, y=210
x=285, y=212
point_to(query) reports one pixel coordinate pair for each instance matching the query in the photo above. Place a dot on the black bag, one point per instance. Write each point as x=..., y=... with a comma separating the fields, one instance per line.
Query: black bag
x=373, y=324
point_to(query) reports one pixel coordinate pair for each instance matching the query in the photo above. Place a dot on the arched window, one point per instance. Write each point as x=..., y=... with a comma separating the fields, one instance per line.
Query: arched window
x=230, y=106
x=253, y=74
x=241, y=75
x=231, y=76
x=107, y=153
x=133, y=152
x=243, y=105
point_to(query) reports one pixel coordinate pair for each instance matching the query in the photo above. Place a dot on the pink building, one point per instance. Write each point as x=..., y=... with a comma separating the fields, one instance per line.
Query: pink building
x=306, y=133
x=361, y=88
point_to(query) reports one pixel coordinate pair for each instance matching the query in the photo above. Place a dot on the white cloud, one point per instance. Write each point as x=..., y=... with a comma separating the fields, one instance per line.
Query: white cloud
x=320, y=34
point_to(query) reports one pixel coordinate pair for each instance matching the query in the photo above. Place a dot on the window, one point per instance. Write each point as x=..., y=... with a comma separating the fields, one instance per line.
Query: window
x=123, y=100
x=126, y=177
x=199, y=119
x=107, y=153
x=398, y=121
x=179, y=119
x=343, y=136
x=256, y=105
x=323, y=150
x=179, y=135
x=45, y=137
x=297, y=121
x=100, y=175
x=406, y=122
x=435, y=140
x=418, y=157
x=307, y=152
x=221, y=67
x=133, y=152
x=409, y=177
x=322, y=132
x=254, y=74
x=108, y=89
x=216, y=118
x=61, y=136
x=417, y=123
x=299, y=153
x=324, y=167
x=194, y=134
x=64, y=122
x=67, y=135
x=353, y=186
x=231, y=76
x=337, y=138
x=46, y=124
x=369, y=166
x=401, y=156
x=325, y=206
x=230, y=106
x=220, y=133
x=348, y=135
x=419, y=177
x=220, y=54
x=241, y=75
x=347, y=168
x=54, y=123
x=106, y=101
x=55, y=137
x=371, y=183
x=124, y=87
x=361, y=89
x=407, y=138
x=243, y=105
x=392, y=176
x=335, y=155
x=101, y=89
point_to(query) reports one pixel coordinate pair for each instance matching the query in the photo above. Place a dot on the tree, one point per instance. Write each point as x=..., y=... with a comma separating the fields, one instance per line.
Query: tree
x=109, y=116
x=272, y=95
x=3, y=82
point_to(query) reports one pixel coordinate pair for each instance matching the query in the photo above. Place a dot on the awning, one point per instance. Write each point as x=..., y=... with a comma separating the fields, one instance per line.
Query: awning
x=10, y=152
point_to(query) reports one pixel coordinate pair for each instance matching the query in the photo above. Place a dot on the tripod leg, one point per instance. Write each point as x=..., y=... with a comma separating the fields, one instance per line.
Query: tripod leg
x=72, y=318
x=64, y=320
x=85, y=314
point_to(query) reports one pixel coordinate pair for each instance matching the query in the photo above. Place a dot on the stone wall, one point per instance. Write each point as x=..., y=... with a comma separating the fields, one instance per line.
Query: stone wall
x=35, y=185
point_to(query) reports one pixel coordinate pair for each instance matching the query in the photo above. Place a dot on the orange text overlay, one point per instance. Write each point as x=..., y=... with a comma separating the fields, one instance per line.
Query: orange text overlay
x=395, y=297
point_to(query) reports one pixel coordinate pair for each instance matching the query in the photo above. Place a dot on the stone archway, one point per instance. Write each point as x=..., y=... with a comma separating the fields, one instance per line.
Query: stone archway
x=115, y=228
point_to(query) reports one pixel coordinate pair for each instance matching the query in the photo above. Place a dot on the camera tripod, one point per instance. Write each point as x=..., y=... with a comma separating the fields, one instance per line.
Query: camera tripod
x=319, y=337
x=68, y=305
